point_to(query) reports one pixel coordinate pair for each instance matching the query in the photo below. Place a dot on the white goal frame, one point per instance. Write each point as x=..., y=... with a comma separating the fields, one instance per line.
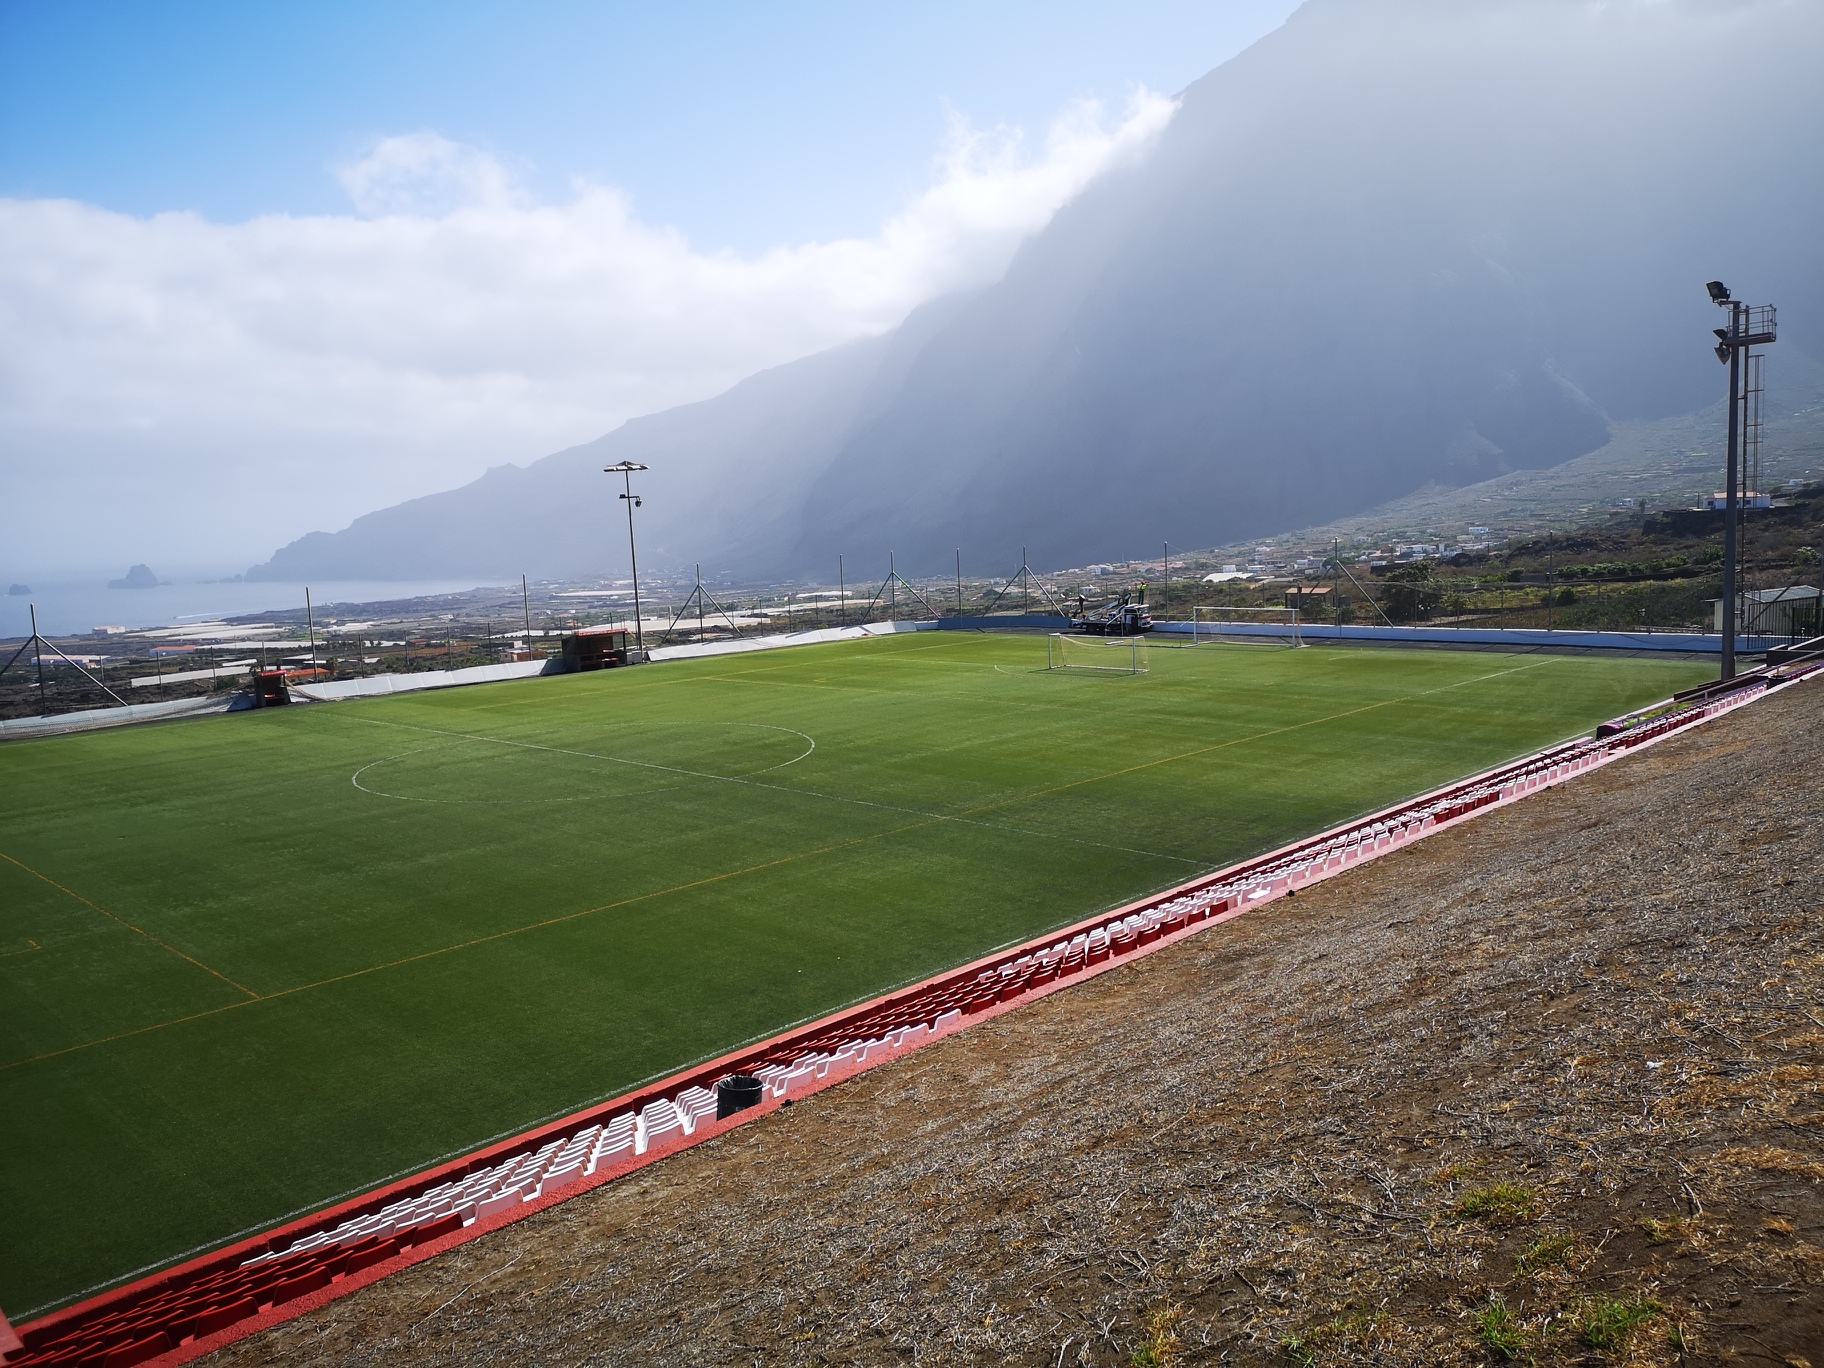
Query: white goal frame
x=1208, y=631
x=1120, y=655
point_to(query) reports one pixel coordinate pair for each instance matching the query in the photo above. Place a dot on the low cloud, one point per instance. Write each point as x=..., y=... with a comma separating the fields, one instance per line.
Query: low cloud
x=202, y=392
x=425, y=174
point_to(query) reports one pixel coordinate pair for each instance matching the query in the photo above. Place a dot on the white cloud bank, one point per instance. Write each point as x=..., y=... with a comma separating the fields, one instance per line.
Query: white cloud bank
x=196, y=393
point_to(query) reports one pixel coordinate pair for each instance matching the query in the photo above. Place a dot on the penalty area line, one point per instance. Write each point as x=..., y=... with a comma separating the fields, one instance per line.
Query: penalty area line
x=1256, y=736
x=460, y=945
x=122, y=921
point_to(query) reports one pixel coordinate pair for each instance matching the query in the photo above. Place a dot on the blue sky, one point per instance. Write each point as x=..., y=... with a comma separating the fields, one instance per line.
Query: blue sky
x=744, y=125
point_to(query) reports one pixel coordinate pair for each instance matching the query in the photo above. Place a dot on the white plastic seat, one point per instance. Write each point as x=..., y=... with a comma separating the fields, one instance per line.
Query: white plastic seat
x=660, y=1119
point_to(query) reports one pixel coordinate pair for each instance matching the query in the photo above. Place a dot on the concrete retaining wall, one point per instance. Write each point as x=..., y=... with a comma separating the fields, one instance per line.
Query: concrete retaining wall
x=1051, y=622
x=1519, y=639
x=776, y=640
x=378, y=686
x=94, y=719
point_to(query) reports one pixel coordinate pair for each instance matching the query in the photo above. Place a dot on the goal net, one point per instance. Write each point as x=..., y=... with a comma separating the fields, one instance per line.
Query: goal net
x=1109, y=655
x=1245, y=627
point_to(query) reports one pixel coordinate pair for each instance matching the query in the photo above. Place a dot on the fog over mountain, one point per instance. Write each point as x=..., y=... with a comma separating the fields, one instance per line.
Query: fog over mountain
x=1395, y=242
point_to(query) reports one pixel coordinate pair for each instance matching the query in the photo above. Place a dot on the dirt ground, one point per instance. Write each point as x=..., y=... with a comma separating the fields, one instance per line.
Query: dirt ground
x=1543, y=1087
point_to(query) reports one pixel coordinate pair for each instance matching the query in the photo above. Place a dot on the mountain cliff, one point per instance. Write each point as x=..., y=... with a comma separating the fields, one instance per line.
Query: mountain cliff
x=1396, y=243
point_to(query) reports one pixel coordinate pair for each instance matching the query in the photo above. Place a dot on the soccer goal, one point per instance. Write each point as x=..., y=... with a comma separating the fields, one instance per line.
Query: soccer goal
x=1245, y=627
x=1109, y=655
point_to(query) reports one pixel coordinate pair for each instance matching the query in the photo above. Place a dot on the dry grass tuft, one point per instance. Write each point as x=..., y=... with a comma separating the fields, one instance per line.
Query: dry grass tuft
x=1160, y=1347
x=1770, y=1159
x=1498, y=1204
x=1546, y=1253
x=1670, y=1230
x=1498, y=1330
x=1609, y=1322
x=1340, y=1339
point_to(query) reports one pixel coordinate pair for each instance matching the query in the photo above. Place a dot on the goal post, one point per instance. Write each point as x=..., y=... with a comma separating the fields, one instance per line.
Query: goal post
x=1245, y=627
x=1104, y=655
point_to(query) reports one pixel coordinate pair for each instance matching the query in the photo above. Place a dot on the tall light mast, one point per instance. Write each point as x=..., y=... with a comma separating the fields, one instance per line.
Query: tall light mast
x=1750, y=326
x=625, y=470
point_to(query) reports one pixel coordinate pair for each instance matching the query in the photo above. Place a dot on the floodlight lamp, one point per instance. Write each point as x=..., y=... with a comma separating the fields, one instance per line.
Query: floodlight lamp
x=1722, y=353
x=1719, y=292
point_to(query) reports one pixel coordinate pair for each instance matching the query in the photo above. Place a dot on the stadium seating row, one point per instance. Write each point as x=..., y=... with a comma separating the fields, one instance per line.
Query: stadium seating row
x=212, y=1300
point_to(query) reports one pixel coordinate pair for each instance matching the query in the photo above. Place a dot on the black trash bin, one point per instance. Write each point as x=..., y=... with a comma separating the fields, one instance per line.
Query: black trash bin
x=736, y=1093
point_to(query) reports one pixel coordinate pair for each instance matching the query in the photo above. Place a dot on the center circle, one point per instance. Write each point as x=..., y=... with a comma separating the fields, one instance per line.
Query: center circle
x=594, y=762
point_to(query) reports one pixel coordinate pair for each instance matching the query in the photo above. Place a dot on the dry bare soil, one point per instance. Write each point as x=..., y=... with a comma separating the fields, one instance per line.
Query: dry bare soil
x=1546, y=1086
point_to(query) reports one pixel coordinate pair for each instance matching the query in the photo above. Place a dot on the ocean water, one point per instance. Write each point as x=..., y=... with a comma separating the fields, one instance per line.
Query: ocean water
x=67, y=609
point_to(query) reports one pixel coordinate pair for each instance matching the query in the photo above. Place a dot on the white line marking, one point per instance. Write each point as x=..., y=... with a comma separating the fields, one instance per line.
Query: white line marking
x=355, y=778
x=778, y=788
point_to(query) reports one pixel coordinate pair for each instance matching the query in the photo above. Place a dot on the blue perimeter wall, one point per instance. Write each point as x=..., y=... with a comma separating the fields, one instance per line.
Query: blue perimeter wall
x=1698, y=643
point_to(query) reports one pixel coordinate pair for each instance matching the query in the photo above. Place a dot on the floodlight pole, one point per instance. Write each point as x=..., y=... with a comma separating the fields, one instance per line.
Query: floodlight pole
x=1749, y=326
x=1551, y=575
x=1165, y=594
x=842, y=595
x=625, y=470
x=1730, y=496
x=525, y=602
x=38, y=652
x=1336, y=585
x=310, y=624
x=959, y=581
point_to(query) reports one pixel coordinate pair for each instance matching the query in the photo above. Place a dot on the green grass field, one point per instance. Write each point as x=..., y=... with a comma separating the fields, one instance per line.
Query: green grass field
x=251, y=963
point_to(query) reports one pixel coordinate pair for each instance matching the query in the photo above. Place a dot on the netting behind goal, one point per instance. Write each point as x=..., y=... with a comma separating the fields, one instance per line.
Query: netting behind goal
x=1109, y=655
x=1245, y=627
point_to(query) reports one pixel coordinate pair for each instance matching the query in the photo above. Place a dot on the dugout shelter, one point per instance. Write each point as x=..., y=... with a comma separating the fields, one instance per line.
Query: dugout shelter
x=599, y=648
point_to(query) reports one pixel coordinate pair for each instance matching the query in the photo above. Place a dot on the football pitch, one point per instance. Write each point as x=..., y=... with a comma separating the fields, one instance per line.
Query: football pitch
x=249, y=964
